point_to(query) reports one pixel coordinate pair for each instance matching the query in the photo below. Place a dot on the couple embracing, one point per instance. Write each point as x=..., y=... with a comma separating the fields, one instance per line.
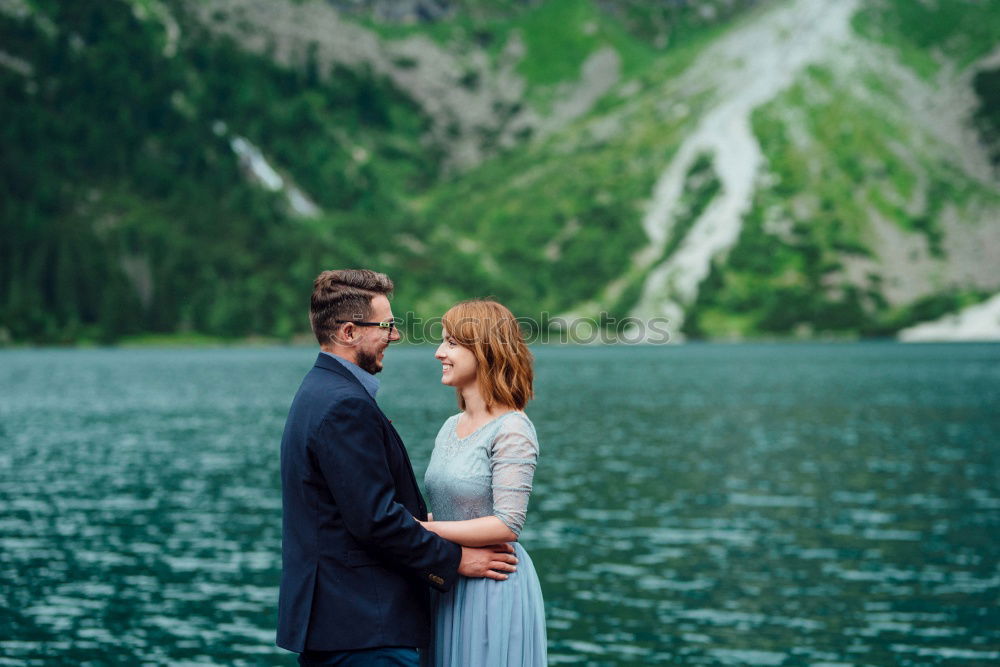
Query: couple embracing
x=367, y=577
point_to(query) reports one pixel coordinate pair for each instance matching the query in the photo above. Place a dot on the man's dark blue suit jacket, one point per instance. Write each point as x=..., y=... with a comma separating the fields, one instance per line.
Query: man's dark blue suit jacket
x=356, y=566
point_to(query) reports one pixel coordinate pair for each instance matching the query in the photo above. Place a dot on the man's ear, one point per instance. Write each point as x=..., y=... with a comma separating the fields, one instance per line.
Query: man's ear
x=344, y=335
x=350, y=334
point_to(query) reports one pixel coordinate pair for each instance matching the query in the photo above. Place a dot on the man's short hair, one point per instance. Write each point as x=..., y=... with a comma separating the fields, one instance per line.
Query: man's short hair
x=345, y=294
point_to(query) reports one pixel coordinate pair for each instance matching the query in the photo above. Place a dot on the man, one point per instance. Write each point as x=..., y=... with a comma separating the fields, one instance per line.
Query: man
x=356, y=565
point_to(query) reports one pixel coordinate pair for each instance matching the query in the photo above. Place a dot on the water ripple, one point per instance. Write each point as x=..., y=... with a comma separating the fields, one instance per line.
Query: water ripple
x=741, y=504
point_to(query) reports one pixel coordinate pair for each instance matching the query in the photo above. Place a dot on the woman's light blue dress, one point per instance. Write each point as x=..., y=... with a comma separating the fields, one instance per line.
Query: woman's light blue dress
x=484, y=622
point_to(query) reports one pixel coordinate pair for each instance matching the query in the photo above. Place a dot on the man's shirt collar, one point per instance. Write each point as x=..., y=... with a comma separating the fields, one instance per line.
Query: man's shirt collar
x=367, y=380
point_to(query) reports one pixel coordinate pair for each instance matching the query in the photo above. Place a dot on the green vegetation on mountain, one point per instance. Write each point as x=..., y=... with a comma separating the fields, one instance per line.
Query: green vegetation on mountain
x=835, y=160
x=128, y=213
x=701, y=184
x=987, y=87
x=929, y=34
x=544, y=226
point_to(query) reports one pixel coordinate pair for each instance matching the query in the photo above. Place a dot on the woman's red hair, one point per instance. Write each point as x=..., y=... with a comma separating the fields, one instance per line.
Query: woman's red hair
x=490, y=330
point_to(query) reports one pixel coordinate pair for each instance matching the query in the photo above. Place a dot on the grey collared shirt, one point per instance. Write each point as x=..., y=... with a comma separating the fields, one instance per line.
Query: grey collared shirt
x=367, y=380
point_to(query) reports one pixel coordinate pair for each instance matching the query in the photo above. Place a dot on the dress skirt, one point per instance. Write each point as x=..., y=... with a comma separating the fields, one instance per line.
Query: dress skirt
x=489, y=623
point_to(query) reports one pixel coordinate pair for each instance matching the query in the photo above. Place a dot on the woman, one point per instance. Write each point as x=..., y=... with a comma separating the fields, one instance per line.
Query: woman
x=478, y=482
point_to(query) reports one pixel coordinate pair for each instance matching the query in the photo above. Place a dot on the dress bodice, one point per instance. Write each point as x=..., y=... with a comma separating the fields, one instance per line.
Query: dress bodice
x=489, y=472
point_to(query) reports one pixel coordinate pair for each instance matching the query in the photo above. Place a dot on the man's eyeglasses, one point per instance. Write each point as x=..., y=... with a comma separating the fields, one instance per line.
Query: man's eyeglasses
x=391, y=325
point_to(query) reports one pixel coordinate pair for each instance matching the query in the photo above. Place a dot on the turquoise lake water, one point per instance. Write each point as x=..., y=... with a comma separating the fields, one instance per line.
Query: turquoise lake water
x=824, y=504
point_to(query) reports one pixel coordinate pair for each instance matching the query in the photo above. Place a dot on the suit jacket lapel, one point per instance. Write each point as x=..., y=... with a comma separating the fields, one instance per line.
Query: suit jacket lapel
x=324, y=361
x=402, y=449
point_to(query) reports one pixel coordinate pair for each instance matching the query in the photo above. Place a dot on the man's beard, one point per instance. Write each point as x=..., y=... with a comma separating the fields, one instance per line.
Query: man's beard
x=368, y=361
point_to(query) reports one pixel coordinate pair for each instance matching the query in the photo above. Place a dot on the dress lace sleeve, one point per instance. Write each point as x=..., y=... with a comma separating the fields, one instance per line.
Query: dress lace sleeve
x=512, y=463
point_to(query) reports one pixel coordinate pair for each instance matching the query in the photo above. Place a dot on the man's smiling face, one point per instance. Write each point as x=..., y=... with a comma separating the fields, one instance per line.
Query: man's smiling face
x=372, y=341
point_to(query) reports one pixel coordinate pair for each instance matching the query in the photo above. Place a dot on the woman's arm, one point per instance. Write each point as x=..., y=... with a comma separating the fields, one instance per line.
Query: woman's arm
x=481, y=532
x=512, y=466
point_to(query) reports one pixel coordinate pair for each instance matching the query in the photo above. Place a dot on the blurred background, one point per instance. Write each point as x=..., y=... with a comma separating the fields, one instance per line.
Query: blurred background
x=744, y=168
x=809, y=182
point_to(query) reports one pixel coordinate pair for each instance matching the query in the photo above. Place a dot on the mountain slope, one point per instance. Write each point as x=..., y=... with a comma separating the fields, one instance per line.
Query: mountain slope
x=876, y=195
x=127, y=208
x=813, y=183
x=793, y=168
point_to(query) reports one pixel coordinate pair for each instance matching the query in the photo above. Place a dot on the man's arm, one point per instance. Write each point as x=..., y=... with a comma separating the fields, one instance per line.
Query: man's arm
x=349, y=448
x=513, y=455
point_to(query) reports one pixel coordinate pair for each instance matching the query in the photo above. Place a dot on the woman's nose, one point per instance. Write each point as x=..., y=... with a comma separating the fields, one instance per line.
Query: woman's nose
x=439, y=352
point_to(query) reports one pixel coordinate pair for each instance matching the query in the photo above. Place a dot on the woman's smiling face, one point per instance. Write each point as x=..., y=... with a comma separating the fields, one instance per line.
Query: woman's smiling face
x=458, y=363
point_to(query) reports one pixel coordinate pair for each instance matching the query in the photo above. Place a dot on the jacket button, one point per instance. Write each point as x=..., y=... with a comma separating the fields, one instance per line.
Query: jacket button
x=436, y=579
